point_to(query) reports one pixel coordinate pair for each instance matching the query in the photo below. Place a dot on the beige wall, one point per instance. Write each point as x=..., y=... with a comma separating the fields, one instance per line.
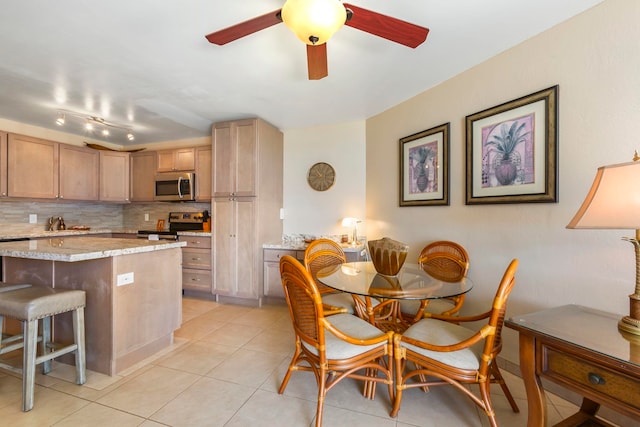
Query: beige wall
x=320, y=213
x=594, y=58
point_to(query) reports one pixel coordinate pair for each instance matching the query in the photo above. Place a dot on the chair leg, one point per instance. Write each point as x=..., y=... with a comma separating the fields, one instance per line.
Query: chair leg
x=30, y=333
x=78, y=333
x=495, y=372
x=486, y=400
x=322, y=392
x=46, y=336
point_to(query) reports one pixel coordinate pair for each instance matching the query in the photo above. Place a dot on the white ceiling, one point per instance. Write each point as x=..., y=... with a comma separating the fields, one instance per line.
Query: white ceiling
x=146, y=65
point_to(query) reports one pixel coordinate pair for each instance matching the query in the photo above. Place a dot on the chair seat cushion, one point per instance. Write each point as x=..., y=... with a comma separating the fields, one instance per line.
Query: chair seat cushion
x=436, y=306
x=353, y=326
x=36, y=302
x=438, y=332
x=339, y=299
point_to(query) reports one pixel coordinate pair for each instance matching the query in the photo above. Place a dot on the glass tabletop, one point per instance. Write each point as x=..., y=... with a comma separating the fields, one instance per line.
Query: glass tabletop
x=361, y=278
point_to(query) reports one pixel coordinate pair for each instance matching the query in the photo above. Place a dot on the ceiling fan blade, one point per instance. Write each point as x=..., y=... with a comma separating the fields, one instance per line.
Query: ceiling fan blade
x=317, y=61
x=245, y=28
x=384, y=26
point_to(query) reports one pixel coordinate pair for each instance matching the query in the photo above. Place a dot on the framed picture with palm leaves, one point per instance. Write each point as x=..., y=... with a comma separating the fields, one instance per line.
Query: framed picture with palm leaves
x=512, y=151
x=424, y=167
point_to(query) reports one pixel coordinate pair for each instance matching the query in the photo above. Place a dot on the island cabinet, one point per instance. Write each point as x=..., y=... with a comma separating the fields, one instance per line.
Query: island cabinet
x=114, y=176
x=79, y=177
x=247, y=197
x=133, y=292
x=196, y=263
x=180, y=159
x=143, y=172
x=3, y=164
x=32, y=167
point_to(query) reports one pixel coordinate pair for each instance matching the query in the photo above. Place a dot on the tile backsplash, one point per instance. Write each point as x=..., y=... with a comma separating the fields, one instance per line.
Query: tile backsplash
x=15, y=214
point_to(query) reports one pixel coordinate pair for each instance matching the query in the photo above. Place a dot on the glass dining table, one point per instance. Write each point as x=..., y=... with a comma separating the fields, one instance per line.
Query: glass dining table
x=377, y=297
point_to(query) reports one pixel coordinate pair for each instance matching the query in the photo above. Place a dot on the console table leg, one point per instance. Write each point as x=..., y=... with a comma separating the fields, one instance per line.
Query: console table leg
x=535, y=393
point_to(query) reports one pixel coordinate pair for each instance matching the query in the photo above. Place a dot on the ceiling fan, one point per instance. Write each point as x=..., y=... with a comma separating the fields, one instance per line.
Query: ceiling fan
x=315, y=21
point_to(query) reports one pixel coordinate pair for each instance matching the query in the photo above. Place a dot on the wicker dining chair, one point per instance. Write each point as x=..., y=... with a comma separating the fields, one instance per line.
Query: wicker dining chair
x=322, y=253
x=447, y=261
x=335, y=347
x=443, y=352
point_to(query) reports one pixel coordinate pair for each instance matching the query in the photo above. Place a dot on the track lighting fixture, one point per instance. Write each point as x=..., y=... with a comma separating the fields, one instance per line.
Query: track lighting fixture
x=93, y=122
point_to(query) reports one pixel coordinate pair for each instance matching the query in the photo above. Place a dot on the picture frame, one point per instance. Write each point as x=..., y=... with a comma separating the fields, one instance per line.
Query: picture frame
x=424, y=167
x=512, y=151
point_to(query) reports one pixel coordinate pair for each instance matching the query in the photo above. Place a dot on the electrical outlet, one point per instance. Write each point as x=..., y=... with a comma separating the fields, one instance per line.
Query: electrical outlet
x=33, y=218
x=124, y=279
x=146, y=217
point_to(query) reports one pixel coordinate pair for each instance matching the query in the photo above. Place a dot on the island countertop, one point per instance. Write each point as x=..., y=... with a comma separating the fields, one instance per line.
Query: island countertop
x=82, y=249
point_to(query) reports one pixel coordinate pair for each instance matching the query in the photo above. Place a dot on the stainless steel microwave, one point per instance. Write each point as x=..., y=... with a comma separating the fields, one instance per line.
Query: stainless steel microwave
x=175, y=187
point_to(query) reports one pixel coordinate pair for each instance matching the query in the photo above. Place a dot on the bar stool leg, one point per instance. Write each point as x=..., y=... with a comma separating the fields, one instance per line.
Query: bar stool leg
x=78, y=332
x=46, y=337
x=30, y=333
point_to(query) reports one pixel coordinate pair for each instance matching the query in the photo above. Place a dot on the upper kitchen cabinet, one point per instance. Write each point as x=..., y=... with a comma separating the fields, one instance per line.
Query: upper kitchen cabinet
x=143, y=171
x=32, y=167
x=236, y=155
x=3, y=164
x=180, y=159
x=114, y=176
x=78, y=173
x=203, y=173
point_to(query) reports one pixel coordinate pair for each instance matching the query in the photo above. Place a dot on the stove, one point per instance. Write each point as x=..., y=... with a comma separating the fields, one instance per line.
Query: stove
x=178, y=221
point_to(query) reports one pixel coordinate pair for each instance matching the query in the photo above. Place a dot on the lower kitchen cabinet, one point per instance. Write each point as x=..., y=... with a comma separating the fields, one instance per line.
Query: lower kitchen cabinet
x=196, y=263
x=272, y=282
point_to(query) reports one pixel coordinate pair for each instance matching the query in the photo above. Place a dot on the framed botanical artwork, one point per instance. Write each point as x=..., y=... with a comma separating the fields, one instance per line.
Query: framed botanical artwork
x=424, y=167
x=512, y=151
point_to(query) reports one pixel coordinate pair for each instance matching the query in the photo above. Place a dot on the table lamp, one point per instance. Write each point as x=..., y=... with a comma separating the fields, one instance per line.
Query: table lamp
x=614, y=203
x=352, y=222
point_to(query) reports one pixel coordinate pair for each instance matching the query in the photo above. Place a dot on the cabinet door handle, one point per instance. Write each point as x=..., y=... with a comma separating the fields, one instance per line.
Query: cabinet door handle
x=195, y=259
x=596, y=379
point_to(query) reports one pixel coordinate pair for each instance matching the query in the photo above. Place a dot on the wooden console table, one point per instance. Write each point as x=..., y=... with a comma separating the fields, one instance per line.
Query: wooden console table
x=581, y=349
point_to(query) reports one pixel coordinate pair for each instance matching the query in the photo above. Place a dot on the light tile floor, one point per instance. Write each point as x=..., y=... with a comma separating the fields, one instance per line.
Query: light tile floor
x=224, y=369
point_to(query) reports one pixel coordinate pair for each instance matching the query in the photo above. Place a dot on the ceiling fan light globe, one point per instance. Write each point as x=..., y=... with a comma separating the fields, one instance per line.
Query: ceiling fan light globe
x=314, y=21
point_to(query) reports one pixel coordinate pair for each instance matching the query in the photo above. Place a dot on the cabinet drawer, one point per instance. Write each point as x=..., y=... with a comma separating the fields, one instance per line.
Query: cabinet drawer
x=197, y=241
x=199, y=280
x=609, y=386
x=196, y=258
x=274, y=255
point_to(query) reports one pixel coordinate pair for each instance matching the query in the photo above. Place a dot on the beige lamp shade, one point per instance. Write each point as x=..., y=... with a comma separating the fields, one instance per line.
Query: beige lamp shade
x=613, y=201
x=314, y=21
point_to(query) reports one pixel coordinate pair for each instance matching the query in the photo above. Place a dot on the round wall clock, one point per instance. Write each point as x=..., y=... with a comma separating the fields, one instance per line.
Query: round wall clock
x=321, y=176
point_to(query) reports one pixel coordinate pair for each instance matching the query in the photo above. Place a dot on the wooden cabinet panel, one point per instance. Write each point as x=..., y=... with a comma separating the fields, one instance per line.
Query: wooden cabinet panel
x=271, y=270
x=79, y=178
x=181, y=159
x=203, y=173
x=234, y=248
x=235, y=150
x=32, y=167
x=247, y=197
x=114, y=176
x=143, y=171
x=3, y=164
x=196, y=263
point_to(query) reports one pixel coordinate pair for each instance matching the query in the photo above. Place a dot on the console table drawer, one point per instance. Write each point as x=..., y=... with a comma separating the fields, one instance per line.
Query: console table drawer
x=606, y=383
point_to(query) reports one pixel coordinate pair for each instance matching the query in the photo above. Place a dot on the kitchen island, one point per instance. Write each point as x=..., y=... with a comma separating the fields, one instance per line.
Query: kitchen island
x=133, y=289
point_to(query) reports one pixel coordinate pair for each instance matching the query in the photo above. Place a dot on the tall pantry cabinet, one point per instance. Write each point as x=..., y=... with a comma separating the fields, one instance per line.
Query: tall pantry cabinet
x=246, y=201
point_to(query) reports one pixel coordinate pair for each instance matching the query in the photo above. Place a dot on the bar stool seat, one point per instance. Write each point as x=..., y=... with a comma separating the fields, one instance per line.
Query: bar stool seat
x=28, y=304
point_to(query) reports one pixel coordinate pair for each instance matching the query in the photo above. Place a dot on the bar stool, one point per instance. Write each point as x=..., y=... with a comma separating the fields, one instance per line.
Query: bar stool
x=28, y=304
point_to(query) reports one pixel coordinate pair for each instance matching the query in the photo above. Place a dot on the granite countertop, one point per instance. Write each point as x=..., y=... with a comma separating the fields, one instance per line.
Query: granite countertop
x=4, y=235
x=347, y=247
x=70, y=250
